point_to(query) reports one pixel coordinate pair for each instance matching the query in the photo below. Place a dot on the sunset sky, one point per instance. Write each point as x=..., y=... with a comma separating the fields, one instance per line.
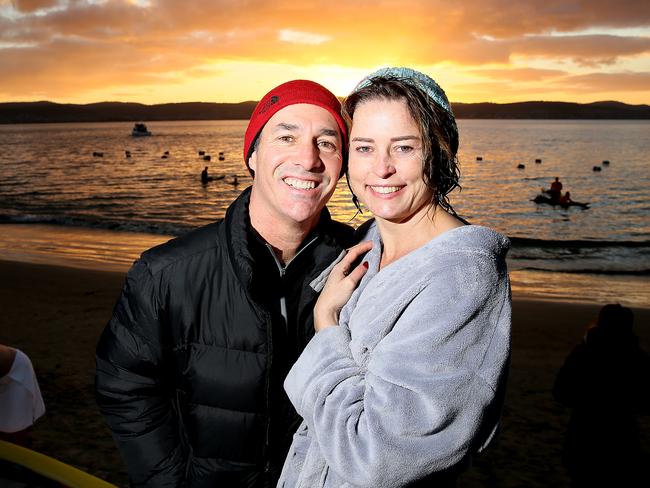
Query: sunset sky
x=82, y=51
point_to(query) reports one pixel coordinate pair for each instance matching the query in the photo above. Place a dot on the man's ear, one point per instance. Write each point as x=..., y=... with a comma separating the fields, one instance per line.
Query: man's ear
x=252, y=162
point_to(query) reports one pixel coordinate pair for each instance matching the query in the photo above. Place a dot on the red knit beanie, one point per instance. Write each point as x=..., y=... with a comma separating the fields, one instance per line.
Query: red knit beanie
x=291, y=93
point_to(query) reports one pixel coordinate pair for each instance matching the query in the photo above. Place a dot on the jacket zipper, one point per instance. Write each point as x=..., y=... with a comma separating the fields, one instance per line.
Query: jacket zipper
x=283, y=271
x=283, y=311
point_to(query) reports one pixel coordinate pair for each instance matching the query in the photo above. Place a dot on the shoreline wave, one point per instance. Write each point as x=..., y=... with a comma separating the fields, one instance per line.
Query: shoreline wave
x=150, y=227
x=523, y=242
x=610, y=258
x=590, y=271
x=177, y=229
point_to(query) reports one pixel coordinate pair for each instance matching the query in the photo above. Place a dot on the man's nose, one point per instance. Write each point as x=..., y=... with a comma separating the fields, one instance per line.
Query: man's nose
x=308, y=155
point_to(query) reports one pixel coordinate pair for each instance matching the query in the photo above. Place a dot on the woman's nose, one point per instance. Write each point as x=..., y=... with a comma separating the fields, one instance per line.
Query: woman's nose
x=383, y=166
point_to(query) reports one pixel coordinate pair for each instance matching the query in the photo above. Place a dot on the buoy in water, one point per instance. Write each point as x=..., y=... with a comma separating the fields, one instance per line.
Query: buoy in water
x=98, y=154
x=206, y=157
x=606, y=162
x=127, y=154
x=597, y=168
x=479, y=158
x=538, y=161
x=164, y=156
x=166, y=153
x=201, y=153
x=521, y=166
x=221, y=158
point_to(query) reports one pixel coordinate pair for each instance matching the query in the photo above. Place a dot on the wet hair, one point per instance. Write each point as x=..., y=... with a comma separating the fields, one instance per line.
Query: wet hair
x=440, y=170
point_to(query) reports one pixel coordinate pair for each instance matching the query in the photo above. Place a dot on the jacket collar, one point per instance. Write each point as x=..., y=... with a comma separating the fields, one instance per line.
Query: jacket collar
x=238, y=222
x=238, y=227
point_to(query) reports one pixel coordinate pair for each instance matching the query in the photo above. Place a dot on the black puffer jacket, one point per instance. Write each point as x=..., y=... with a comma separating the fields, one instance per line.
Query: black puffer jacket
x=185, y=365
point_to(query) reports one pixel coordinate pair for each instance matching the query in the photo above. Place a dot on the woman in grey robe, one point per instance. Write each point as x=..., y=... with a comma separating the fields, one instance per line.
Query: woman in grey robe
x=404, y=379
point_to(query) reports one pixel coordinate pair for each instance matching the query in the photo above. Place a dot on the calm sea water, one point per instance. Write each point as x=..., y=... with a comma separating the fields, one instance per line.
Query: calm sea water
x=48, y=175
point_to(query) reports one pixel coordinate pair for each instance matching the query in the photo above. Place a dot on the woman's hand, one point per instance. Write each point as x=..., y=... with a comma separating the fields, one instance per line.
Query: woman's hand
x=341, y=283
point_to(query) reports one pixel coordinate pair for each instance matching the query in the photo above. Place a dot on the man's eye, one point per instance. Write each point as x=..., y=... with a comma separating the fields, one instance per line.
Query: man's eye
x=328, y=145
x=286, y=138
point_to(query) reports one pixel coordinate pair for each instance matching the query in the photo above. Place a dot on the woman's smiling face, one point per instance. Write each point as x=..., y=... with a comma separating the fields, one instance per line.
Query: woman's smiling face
x=385, y=165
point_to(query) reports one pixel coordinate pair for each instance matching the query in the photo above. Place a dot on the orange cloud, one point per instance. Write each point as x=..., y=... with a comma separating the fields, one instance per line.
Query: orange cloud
x=519, y=74
x=610, y=82
x=119, y=45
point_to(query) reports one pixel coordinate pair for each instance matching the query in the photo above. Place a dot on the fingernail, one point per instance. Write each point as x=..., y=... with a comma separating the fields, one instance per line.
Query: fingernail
x=365, y=264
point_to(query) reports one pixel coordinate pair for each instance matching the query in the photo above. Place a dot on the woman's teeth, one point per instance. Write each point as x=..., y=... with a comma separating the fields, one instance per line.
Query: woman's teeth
x=386, y=189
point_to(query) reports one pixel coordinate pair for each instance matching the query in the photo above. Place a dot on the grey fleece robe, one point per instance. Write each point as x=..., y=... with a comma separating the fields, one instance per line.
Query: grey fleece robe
x=411, y=382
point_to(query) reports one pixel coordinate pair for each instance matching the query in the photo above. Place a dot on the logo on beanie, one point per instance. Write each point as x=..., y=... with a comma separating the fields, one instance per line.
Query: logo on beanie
x=274, y=99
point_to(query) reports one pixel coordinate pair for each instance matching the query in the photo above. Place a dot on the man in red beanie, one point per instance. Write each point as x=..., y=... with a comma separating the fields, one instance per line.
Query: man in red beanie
x=191, y=365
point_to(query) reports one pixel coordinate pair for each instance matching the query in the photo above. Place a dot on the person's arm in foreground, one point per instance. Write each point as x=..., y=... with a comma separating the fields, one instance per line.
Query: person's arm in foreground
x=418, y=402
x=132, y=385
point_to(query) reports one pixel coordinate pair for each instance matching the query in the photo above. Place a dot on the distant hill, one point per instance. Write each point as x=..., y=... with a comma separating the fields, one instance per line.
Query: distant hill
x=551, y=110
x=39, y=112
x=29, y=112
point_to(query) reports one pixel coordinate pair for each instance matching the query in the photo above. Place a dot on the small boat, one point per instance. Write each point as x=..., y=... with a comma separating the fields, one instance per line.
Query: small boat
x=544, y=198
x=140, y=130
x=208, y=179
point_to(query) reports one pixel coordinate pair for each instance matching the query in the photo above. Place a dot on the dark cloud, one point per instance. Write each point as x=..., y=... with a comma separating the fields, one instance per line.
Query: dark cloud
x=583, y=49
x=505, y=18
x=33, y=5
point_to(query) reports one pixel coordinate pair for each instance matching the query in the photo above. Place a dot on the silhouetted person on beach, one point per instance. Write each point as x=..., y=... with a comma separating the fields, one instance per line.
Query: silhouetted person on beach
x=605, y=380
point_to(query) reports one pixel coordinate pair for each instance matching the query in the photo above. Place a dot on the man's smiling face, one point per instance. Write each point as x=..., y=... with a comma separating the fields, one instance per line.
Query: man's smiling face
x=297, y=163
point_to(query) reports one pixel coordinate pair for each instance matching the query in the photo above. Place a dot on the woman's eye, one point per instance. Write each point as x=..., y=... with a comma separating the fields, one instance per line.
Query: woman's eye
x=363, y=149
x=404, y=149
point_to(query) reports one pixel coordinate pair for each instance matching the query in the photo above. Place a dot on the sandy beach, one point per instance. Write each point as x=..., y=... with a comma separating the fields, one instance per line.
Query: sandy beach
x=55, y=314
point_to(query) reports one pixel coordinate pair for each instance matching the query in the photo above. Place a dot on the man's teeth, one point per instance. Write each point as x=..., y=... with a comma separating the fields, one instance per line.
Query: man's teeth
x=386, y=189
x=300, y=184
